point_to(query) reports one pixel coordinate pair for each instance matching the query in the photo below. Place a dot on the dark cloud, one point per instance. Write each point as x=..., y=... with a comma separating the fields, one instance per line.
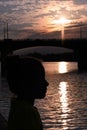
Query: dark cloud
x=42, y=15
x=80, y=2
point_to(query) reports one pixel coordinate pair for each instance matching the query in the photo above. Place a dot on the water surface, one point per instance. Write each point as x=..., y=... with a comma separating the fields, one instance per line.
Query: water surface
x=65, y=105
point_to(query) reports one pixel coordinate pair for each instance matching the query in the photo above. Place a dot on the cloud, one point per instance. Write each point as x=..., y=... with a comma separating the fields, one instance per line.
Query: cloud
x=37, y=15
x=80, y=2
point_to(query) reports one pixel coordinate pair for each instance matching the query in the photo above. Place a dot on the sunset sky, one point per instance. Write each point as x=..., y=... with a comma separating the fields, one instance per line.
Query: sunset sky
x=40, y=18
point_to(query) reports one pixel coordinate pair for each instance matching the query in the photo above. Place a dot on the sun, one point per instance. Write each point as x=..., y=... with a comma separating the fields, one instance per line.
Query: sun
x=60, y=25
x=61, y=21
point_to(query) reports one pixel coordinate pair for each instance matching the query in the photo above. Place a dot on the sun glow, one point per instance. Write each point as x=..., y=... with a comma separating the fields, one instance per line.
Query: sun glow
x=62, y=21
x=60, y=25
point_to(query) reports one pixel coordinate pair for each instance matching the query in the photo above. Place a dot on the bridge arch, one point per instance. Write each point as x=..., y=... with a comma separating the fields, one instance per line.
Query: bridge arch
x=42, y=50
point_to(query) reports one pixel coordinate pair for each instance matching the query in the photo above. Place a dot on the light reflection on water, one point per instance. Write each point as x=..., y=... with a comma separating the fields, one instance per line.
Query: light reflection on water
x=65, y=105
x=59, y=67
x=62, y=67
x=63, y=96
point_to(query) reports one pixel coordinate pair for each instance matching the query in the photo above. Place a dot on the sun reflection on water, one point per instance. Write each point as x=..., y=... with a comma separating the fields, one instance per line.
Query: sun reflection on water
x=64, y=103
x=63, y=96
x=62, y=67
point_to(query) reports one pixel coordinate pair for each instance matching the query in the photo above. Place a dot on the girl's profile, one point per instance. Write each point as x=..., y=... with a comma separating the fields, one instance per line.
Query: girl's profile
x=26, y=80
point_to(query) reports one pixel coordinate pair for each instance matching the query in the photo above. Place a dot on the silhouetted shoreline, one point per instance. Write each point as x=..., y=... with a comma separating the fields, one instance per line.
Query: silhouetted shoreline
x=18, y=44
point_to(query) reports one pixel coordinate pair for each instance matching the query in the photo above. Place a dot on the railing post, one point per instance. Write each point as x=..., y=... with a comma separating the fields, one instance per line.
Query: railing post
x=82, y=60
x=2, y=63
x=4, y=54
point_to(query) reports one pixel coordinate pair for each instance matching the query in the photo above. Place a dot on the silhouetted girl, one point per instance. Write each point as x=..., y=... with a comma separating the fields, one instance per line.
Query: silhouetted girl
x=26, y=80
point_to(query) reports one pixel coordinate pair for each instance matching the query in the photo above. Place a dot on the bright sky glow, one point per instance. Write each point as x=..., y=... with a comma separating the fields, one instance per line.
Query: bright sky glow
x=62, y=21
x=34, y=18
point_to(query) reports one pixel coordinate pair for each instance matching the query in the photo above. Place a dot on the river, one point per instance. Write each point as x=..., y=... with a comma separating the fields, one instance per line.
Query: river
x=65, y=104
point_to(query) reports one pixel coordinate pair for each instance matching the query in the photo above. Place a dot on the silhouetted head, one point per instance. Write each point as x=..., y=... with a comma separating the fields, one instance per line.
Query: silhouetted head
x=26, y=77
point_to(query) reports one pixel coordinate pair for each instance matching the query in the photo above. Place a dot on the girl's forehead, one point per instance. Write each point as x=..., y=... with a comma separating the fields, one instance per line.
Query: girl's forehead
x=36, y=69
x=40, y=71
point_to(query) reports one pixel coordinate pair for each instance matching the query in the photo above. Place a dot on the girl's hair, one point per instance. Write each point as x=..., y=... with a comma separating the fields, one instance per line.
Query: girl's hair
x=22, y=72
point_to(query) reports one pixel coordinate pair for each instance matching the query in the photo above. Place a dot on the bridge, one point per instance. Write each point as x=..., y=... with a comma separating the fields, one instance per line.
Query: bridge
x=78, y=45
